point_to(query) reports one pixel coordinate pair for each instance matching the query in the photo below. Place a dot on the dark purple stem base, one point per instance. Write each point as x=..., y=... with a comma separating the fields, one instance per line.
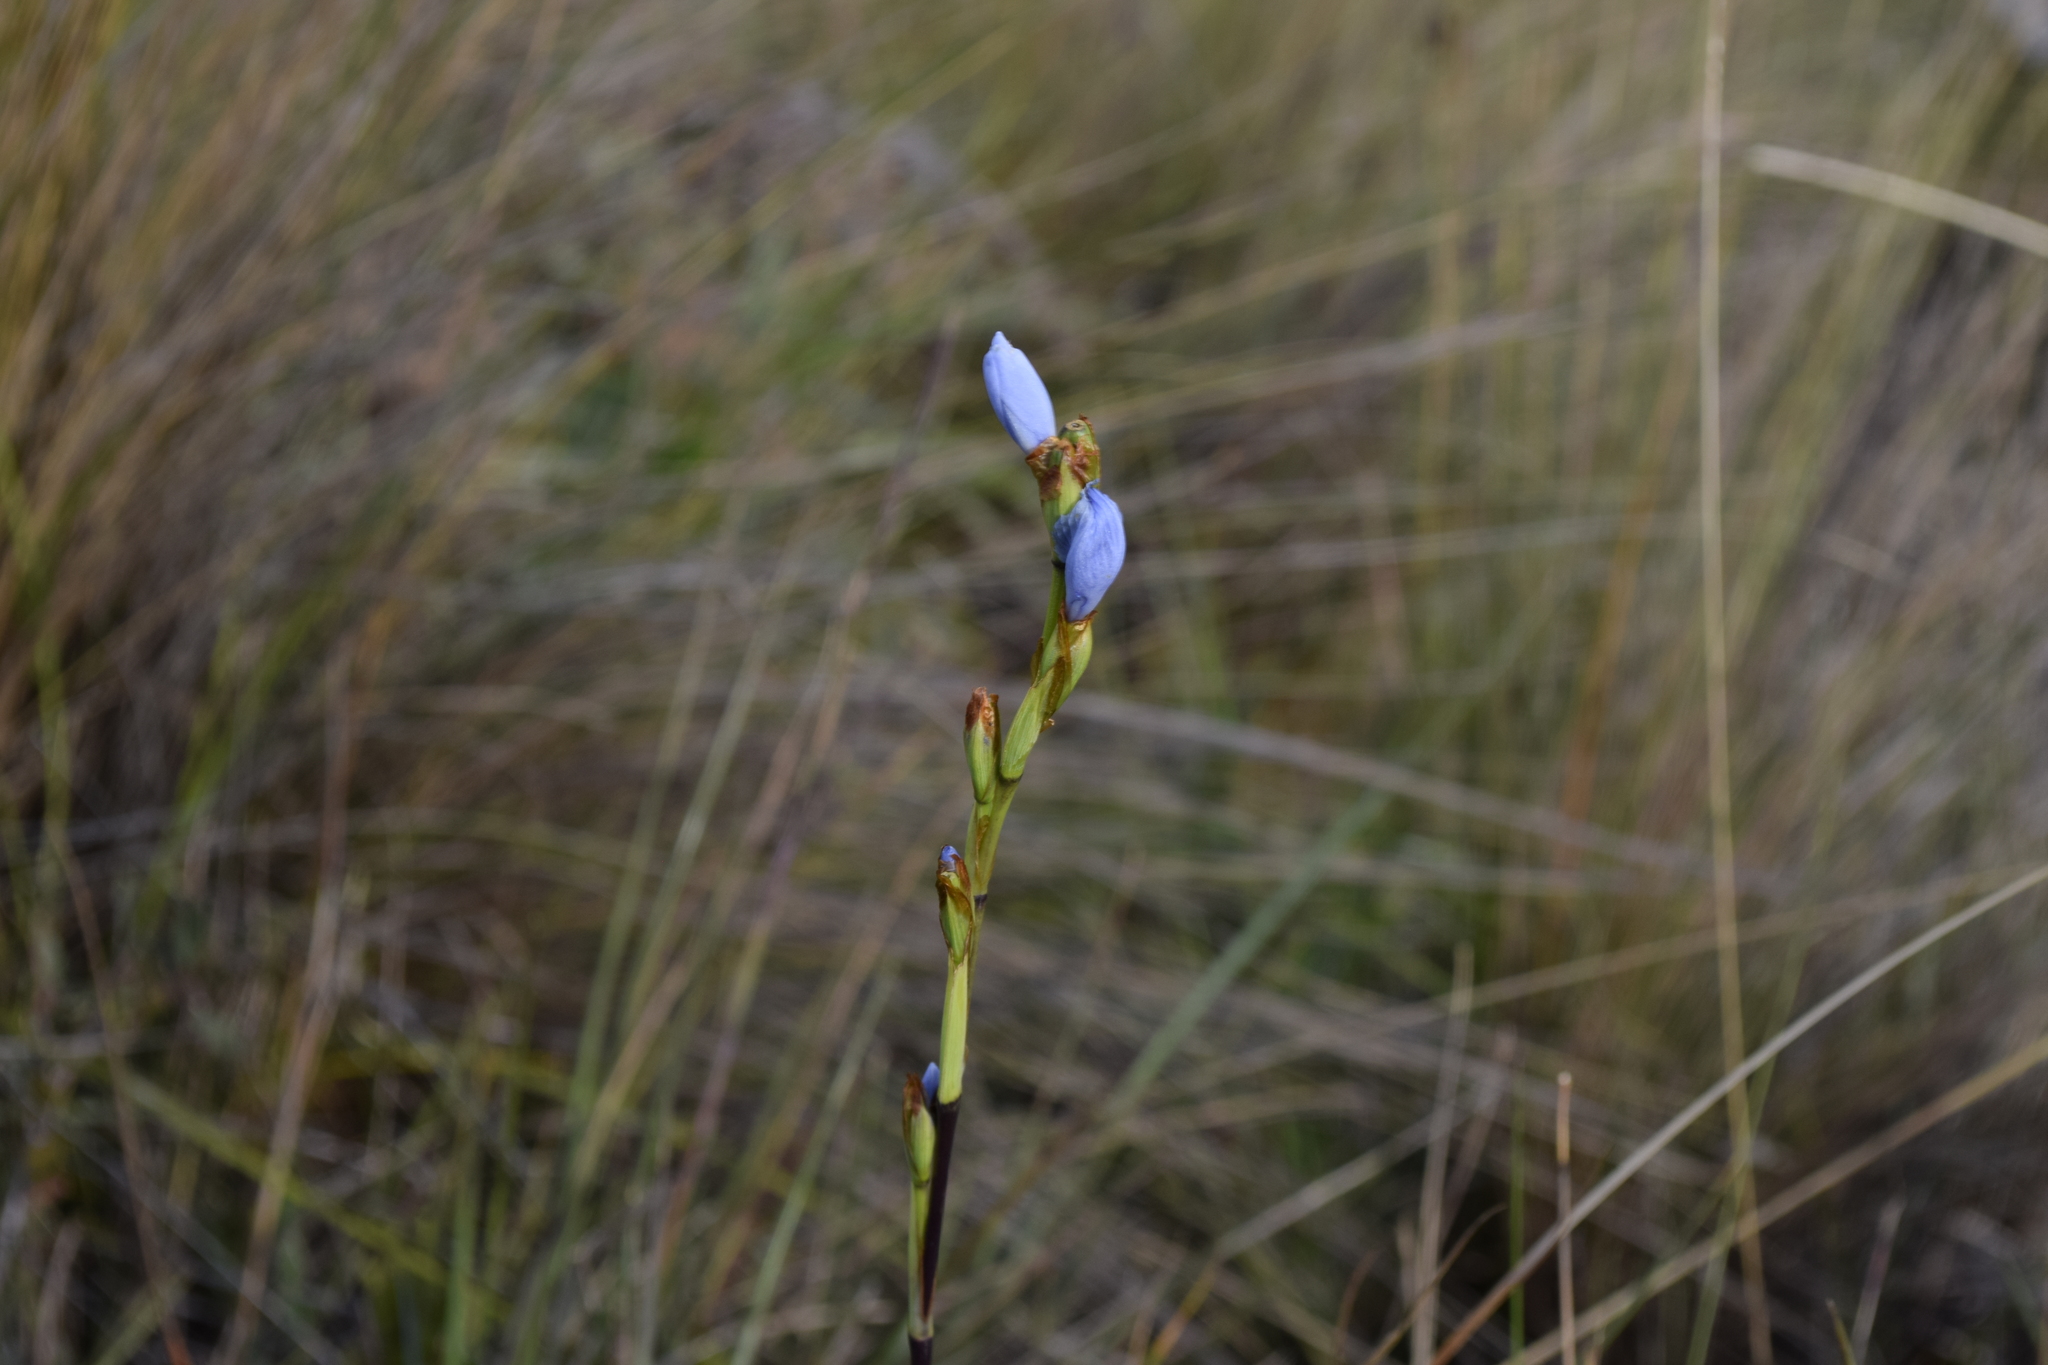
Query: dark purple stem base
x=945, y=1117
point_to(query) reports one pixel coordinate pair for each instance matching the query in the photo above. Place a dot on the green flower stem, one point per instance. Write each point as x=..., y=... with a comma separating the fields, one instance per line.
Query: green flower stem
x=920, y=1210
x=1049, y=633
x=1056, y=666
x=996, y=755
x=953, y=1030
x=984, y=830
x=920, y=1143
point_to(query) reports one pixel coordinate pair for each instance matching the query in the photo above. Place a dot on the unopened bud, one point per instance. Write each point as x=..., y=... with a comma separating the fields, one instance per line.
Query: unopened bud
x=1017, y=394
x=983, y=722
x=1090, y=543
x=920, y=1134
x=956, y=904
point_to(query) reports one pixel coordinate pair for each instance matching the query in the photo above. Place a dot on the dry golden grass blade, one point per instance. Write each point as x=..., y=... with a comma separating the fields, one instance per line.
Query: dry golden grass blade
x=1900, y=192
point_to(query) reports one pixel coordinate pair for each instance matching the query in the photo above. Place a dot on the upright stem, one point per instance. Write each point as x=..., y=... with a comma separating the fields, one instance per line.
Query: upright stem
x=920, y=1212
x=1057, y=663
x=953, y=1031
x=947, y=1117
x=985, y=829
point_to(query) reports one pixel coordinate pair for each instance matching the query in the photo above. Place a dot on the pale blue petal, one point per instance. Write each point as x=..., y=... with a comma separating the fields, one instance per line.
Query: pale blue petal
x=1017, y=394
x=1090, y=541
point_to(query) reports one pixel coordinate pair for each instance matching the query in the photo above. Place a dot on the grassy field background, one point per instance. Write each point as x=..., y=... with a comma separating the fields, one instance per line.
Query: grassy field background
x=477, y=472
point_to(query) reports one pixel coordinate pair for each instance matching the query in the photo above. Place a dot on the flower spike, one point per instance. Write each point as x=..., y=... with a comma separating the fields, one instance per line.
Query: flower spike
x=1087, y=534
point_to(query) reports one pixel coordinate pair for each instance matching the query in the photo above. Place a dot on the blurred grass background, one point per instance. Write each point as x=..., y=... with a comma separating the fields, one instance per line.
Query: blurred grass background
x=477, y=471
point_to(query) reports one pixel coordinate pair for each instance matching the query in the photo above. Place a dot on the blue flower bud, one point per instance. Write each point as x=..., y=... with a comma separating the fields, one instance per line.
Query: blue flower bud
x=1090, y=541
x=956, y=905
x=1017, y=394
x=983, y=726
x=920, y=1134
x=931, y=1083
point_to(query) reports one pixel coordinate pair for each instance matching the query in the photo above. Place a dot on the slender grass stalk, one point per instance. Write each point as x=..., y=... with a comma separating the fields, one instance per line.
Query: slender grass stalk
x=1711, y=1284
x=458, y=1309
x=1841, y=1334
x=1340, y=1336
x=1443, y=1115
x=1873, y=1275
x=1902, y=192
x=1568, y=1327
x=1518, y=1185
